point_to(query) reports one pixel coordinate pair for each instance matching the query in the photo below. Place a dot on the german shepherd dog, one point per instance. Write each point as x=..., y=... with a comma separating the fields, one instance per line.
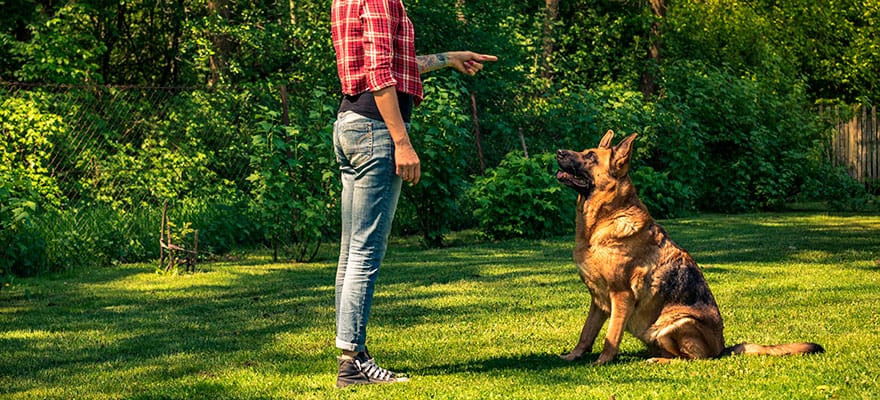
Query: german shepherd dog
x=637, y=276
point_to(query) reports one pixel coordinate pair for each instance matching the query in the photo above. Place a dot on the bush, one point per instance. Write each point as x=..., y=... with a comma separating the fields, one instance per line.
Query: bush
x=294, y=190
x=521, y=198
x=838, y=189
x=439, y=133
x=26, y=188
x=665, y=197
x=739, y=143
x=22, y=247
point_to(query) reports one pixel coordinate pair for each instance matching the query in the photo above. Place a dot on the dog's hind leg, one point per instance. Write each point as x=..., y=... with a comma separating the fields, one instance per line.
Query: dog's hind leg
x=595, y=319
x=684, y=338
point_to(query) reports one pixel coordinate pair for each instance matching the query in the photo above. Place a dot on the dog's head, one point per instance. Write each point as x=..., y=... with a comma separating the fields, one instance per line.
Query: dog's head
x=601, y=167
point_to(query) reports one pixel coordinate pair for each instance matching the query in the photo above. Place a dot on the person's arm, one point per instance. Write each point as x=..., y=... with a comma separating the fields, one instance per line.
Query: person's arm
x=405, y=156
x=378, y=45
x=466, y=62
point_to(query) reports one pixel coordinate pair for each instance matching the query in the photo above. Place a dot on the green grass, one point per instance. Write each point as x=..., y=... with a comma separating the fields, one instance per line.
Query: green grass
x=471, y=321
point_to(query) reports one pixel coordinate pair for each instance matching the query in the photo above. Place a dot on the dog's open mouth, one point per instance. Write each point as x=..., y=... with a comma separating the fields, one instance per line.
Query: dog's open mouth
x=568, y=179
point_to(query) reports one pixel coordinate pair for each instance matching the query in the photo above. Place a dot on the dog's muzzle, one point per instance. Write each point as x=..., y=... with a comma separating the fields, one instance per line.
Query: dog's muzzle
x=570, y=173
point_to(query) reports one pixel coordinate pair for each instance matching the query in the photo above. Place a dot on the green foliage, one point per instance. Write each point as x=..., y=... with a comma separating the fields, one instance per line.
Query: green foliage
x=836, y=188
x=665, y=197
x=440, y=136
x=288, y=179
x=600, y=42
x=750, y=142
x=23, y=248
x=521, y=198
x=830, y=44
x=62, y=48
x=26, y=188
x=729, y=129
x=26, y=136
x=193, y=147
x=225, y=223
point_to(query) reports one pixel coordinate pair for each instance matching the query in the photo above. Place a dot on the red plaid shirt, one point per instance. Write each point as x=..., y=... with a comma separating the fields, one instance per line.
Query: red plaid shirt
x=375, y=47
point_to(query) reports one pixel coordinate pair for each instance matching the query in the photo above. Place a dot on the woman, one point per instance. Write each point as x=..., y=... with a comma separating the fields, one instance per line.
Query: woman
x=381, y=83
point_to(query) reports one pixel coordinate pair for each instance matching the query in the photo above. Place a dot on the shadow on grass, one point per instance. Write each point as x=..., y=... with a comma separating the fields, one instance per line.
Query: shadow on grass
x=255, y=314
x=774, y=238
x=543, y=368
x=523, y=363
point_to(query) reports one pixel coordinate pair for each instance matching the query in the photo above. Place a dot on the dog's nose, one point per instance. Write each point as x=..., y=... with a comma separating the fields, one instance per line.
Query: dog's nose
x=560, y=154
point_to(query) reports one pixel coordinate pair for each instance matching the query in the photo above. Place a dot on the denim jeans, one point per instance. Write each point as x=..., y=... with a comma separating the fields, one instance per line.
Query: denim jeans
x=370, y=190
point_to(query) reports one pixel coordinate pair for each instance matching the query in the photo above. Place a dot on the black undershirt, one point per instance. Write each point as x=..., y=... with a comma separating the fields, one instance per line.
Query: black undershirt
x=365, y=104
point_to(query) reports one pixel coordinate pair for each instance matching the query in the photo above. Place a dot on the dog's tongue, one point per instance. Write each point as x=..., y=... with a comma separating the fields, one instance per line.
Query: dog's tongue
x=560, y=174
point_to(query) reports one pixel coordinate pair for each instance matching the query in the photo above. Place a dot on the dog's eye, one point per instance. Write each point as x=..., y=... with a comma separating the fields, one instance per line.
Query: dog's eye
x=590, y=157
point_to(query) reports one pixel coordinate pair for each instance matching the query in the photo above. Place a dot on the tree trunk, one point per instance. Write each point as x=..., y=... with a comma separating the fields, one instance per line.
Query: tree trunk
x=550, y=16
x=648, y=82
x=221, y=42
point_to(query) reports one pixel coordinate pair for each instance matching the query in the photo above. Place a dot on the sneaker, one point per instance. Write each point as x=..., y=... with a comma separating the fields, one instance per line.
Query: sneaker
x=364, y=370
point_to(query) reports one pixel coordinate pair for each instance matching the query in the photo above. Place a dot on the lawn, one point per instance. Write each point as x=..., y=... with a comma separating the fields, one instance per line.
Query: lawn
x=471, y=321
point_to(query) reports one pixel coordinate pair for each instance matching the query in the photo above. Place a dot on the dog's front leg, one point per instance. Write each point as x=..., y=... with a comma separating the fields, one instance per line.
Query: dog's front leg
x=595, y=318
x=621, y=308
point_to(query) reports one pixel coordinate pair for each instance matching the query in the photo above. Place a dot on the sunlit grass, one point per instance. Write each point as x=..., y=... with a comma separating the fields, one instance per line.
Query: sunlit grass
x=476, y=320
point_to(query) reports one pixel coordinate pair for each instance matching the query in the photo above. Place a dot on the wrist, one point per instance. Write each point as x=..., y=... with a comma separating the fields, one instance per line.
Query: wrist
x=402, y=141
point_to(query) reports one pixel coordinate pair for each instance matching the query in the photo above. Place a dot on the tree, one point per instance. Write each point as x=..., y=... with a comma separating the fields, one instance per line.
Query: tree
x=647, y=84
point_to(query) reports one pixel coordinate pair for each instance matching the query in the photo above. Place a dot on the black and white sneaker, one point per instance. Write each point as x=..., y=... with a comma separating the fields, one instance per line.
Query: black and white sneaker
x=363, y=370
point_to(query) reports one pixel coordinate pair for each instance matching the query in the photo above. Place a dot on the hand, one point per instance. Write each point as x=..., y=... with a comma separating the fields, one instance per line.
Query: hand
x=468, y=62
x=408, y=166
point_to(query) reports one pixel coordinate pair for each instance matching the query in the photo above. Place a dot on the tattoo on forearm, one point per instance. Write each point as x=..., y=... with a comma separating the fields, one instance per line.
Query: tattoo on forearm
x=432, y=62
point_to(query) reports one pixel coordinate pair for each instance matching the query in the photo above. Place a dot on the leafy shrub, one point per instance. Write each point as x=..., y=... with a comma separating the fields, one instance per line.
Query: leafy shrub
x=26, y=134
x=739, y=143
x=838, y=189
x=224, y=222
x=26, y=189
x=521, y=198
x=665, y=197
x=292, y=195
x=22, y=247
x=439, y=133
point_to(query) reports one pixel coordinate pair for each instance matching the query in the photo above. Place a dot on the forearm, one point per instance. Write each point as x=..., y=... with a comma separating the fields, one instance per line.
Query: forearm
x=466, y=62
x=386, y=101
x=406, y=162
x=432, y=62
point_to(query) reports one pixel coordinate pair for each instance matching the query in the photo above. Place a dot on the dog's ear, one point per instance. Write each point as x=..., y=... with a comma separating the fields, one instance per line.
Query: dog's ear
x=605, y=143
x=621, y=154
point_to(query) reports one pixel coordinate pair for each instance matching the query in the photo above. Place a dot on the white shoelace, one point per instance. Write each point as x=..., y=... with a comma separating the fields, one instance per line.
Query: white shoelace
x=373, y=371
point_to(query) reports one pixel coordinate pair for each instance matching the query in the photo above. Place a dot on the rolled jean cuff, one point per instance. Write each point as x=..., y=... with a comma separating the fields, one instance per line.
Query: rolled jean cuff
x=343, y=345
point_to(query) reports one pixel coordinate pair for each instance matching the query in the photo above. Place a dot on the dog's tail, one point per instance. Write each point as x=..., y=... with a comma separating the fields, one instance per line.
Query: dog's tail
x=774, y=350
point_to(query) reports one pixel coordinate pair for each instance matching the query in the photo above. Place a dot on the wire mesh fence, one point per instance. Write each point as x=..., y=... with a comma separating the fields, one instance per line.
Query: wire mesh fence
x=96, y=164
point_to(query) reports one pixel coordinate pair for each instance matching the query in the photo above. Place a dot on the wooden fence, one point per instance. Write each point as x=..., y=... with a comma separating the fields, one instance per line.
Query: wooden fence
x=855, y=142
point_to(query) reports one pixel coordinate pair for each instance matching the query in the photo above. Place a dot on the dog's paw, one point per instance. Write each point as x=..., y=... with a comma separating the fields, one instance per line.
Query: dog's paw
x=572, y=356
x=604, y=358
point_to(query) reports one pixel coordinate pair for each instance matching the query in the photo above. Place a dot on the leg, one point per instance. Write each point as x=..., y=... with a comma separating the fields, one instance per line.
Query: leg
x=595, y=319
x=370, y=194
x=621, y=307
x=684, y=338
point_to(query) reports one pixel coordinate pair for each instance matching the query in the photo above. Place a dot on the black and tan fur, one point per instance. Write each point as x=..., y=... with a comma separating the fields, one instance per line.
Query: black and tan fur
x=639, y=279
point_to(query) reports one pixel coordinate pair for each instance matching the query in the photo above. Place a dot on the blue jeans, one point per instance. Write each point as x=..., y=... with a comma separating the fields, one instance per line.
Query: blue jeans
x=370, y=190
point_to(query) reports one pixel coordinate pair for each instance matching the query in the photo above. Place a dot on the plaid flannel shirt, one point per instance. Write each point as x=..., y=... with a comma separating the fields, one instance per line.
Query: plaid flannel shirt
x=375, y=47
